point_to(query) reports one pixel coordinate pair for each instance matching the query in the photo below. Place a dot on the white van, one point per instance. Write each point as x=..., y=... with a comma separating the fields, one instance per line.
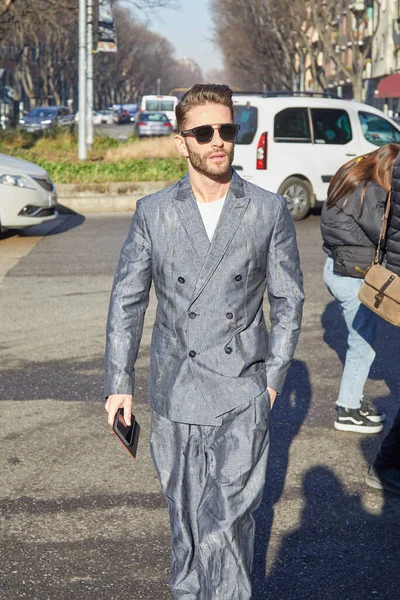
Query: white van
x=165, y=104
x=293, y=145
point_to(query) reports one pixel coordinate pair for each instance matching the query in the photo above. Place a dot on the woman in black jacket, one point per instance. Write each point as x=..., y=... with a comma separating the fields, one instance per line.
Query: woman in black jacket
x=351, y=221
x=384, y=473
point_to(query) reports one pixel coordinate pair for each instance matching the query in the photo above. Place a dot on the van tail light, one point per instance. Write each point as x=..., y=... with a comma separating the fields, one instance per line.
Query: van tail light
x=141, y=124
x=262, y=151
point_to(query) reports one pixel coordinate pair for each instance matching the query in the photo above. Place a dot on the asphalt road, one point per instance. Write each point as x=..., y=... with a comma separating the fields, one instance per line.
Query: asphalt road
x=81, y=520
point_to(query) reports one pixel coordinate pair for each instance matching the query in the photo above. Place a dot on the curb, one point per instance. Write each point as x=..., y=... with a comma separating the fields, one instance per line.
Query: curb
x=105, y=197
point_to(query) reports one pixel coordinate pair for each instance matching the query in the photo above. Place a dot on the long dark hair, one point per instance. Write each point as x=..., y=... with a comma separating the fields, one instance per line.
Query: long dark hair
x=375, y=166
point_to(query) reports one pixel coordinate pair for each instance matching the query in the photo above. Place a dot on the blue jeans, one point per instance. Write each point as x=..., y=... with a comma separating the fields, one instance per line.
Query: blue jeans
x=361, y=324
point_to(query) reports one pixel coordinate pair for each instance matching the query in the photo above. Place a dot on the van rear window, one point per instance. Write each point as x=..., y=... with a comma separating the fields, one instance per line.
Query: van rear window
x=292, y=125
x=246, y=117
x=152, y=105
x=166, y=105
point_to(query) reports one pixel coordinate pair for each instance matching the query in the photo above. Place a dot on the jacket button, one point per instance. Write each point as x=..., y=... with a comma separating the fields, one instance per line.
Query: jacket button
x=229, y=315
x=192, y=354
x=228, y=350
x=238, y=278
x=181, y=279
x=192, y=315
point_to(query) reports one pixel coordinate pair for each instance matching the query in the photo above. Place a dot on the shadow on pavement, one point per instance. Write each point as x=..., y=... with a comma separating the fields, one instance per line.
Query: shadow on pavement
x=67, y=379
x=384, y=368
x=67, y=219
x=286, y=420
x=63, y=223
x=360, y=561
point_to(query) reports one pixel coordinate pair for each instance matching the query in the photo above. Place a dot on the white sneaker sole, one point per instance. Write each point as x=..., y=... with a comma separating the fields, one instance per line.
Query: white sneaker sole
x=358, y=428
x=373, y=483
x=377, y=418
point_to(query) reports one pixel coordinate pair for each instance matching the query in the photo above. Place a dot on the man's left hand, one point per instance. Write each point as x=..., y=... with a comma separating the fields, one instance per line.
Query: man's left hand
x=272, y=395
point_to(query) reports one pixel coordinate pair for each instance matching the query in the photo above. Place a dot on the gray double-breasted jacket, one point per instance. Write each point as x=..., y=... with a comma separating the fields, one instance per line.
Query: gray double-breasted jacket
x=210, y=349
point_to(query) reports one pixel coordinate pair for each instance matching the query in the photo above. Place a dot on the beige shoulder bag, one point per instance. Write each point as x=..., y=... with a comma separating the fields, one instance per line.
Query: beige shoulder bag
x=380, y=290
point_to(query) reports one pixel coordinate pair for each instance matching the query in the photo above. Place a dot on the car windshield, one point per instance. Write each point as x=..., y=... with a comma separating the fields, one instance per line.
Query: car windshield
x=43, y=113
x=377, y=130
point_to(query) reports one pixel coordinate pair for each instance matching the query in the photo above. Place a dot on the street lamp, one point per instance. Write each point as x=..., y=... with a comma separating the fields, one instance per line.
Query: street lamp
x=82, y=148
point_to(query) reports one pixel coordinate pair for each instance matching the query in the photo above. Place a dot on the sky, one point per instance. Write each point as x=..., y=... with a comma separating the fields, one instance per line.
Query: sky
x=189, y=29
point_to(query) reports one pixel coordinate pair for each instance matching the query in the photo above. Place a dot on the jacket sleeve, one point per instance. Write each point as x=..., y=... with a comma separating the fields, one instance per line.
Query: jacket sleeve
x=286, y=297
x=370, y=219
x=128, y=304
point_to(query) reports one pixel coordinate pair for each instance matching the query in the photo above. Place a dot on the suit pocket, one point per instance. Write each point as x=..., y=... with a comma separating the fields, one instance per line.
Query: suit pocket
x=253, y=343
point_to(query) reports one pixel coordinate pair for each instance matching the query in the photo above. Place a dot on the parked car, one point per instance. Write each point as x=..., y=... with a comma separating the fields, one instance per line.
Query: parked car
x=129, y=107
x=45, y=117
x=97, y=118
x=149, y=124
x=27, y=194
x=124, y=117
x=107, y=116
x=161, y=103
x=293, y=144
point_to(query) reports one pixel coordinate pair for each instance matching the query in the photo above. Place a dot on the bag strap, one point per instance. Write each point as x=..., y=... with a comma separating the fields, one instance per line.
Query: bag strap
x=382, y=234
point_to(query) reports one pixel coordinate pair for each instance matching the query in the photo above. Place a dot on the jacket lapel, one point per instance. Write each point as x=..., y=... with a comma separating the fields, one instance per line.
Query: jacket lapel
x=232, y=213
x=190, y=217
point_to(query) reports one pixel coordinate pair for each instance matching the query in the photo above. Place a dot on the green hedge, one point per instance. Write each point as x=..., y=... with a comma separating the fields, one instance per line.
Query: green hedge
x=54, y=153
x=161, y=169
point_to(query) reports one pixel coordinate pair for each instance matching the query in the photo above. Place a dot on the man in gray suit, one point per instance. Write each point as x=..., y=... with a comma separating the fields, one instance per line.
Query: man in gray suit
x=212, y=244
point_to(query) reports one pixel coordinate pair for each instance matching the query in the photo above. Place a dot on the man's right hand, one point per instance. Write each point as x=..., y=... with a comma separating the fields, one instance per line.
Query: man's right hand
x=116, y=401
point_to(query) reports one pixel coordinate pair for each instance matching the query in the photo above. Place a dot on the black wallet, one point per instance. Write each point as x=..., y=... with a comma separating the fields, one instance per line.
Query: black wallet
x=128, y=435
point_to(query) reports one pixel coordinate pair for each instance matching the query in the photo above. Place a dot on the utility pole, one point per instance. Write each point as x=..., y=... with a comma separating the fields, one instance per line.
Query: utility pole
x=89, y=103
x=158, y=86
x=82, y=150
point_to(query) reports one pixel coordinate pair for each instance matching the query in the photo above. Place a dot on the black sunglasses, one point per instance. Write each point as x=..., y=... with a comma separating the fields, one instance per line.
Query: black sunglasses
x=205, y=133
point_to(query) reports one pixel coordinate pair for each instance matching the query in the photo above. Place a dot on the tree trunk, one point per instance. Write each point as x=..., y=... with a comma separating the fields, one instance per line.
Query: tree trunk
x=358, y=90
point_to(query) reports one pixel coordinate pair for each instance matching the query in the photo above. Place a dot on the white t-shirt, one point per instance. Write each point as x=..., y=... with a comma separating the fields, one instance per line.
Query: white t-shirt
x=210, y=213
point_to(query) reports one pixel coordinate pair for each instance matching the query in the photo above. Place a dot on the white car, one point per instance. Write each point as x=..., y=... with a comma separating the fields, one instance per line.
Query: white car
x=97, y=118
x=294, y=144
x=107, y=117
x=27, y=194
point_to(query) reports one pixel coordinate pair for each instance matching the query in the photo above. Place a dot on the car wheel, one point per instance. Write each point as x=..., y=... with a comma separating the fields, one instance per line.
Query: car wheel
x=298, y=194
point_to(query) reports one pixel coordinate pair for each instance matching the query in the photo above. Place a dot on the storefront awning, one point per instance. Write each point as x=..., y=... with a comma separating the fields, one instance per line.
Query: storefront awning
x=389, y=87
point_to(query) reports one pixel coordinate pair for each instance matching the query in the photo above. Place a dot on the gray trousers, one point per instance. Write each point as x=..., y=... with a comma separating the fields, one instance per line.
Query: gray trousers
x=212, y=479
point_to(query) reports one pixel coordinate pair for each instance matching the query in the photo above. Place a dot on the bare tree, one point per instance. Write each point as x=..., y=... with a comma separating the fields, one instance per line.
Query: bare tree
x=143, y=57
x=258, y=41
x=43, y=42
x=276, y=44
x=5, y=6
x=327, y=18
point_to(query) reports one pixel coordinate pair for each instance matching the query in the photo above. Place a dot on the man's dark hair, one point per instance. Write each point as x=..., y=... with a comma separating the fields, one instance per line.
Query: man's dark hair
x=203, y=93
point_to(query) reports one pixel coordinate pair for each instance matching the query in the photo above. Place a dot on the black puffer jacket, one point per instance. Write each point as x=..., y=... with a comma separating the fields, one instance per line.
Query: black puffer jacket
x=350, y=234
x=393, y=233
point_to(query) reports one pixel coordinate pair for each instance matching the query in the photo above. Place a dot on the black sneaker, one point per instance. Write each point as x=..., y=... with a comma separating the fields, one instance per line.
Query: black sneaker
x=369, y=411
x=385, y=479
x=351, y=419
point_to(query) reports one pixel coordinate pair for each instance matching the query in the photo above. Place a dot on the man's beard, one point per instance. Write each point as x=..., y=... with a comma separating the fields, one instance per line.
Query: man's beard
x=201, y=164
